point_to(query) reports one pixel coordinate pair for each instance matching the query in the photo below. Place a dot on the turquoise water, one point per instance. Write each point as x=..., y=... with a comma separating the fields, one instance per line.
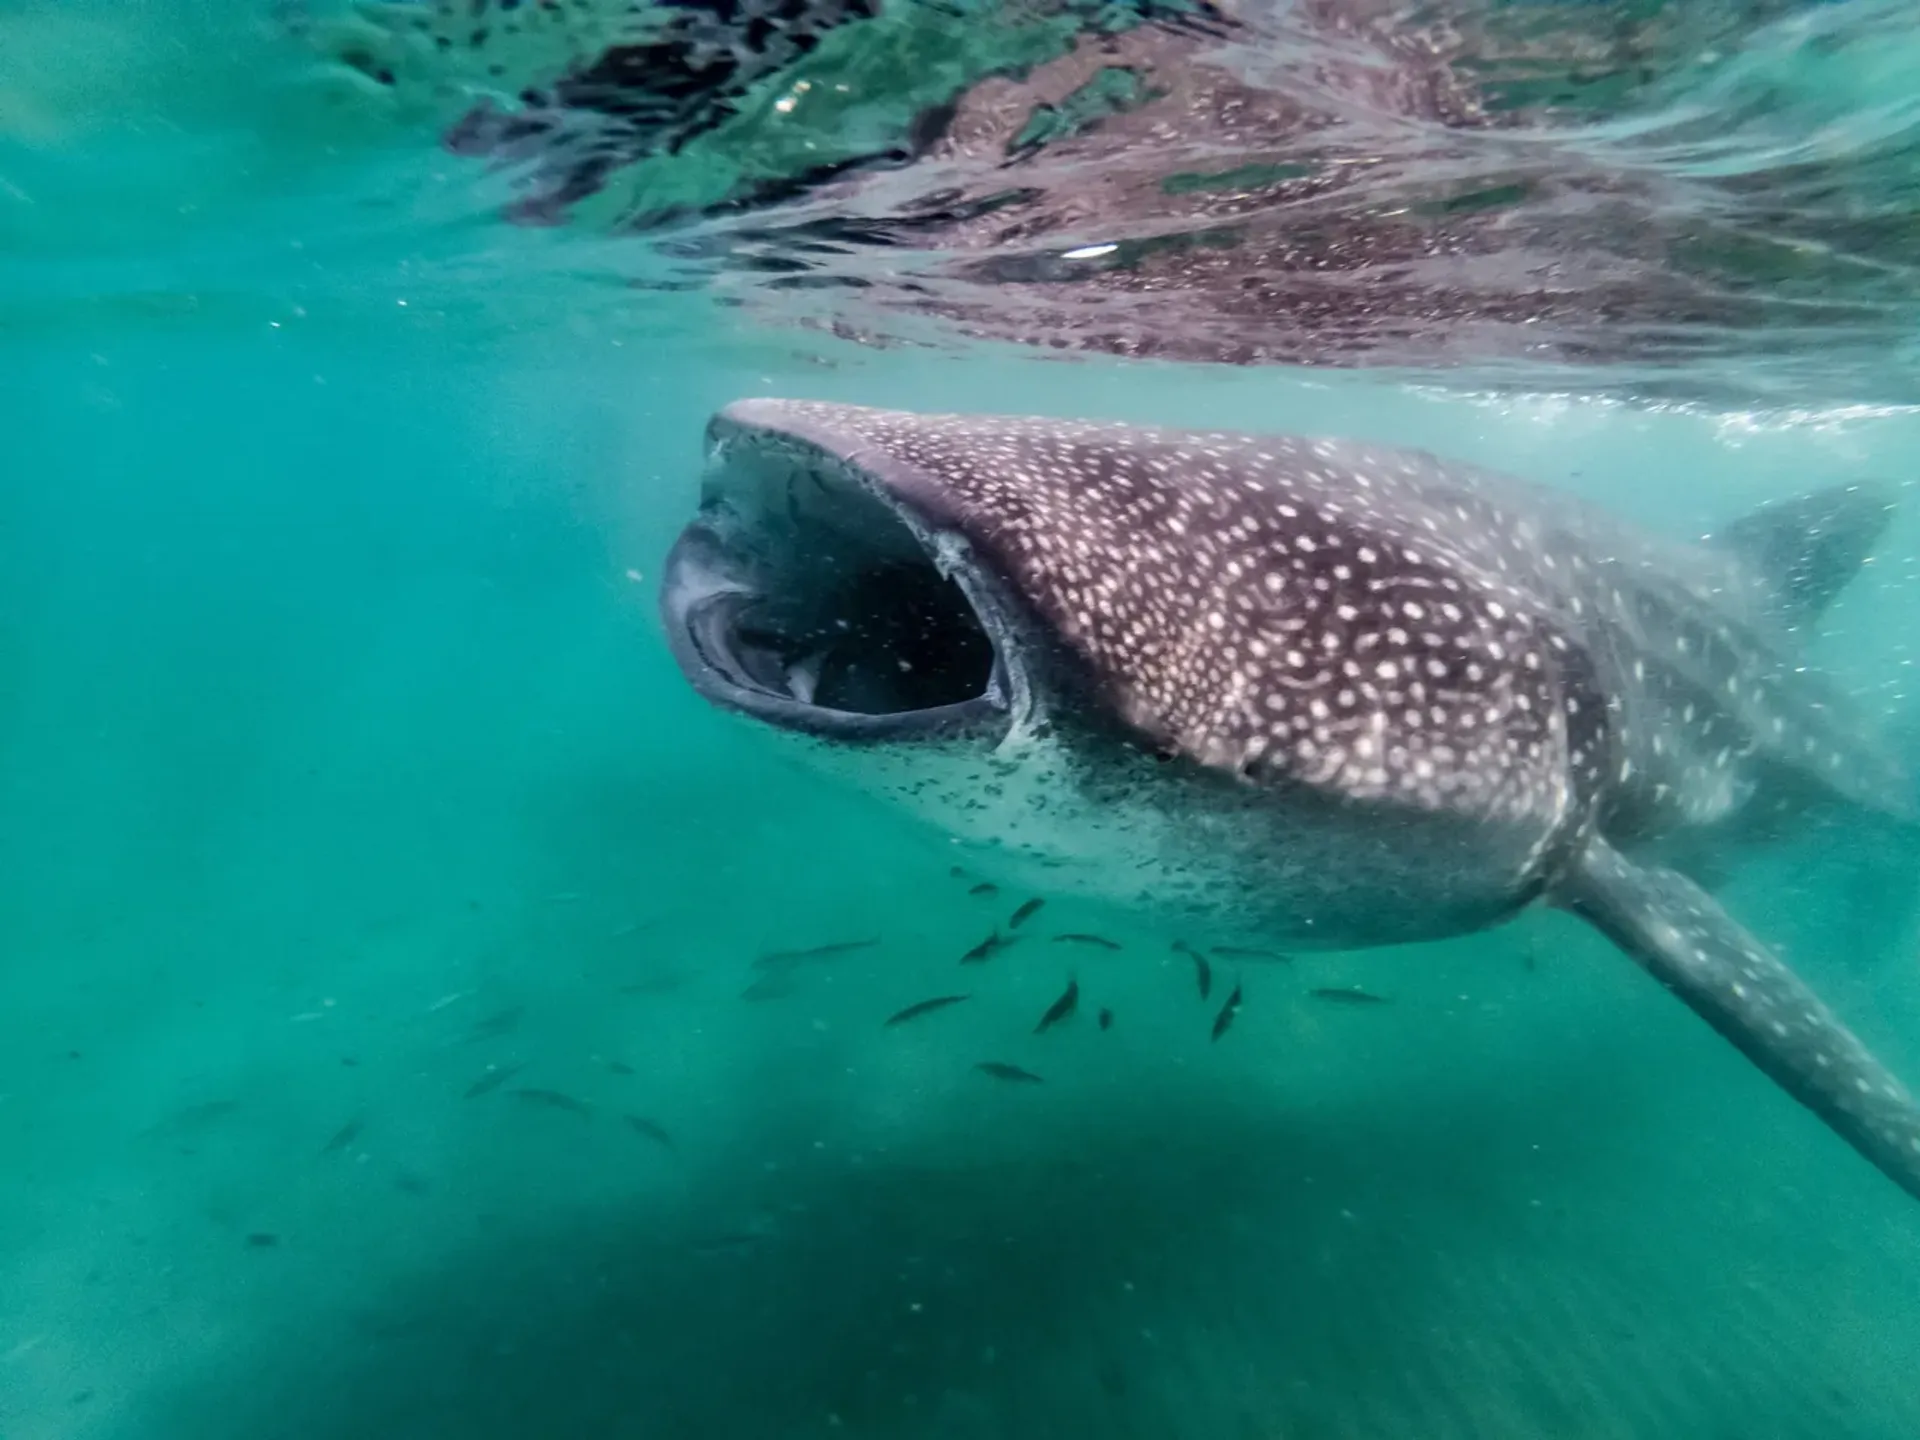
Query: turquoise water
x=343, y=769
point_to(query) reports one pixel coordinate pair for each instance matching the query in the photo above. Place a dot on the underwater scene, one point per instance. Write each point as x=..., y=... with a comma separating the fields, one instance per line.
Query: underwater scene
x=960, y=719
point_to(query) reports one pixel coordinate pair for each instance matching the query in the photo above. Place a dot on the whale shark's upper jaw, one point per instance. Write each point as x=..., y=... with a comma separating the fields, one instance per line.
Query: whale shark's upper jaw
x=812, y=594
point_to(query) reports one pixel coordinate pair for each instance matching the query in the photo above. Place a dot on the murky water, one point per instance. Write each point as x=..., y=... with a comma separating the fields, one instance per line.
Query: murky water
x=388, y=1039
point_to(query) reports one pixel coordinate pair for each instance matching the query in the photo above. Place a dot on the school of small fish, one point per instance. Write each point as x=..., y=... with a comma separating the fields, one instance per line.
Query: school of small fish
x=1000, y=938
x=1063, y=1009
x=776, y=975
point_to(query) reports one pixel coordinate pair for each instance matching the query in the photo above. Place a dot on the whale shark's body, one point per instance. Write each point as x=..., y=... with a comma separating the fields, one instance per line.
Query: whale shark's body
x=1343, y=694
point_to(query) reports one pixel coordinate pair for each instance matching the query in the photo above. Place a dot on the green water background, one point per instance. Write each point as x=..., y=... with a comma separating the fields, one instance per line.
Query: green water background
x=341, y=760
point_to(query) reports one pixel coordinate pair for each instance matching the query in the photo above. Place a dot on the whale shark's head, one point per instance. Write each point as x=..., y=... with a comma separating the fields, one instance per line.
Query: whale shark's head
x=847, y=597
x=878, y=604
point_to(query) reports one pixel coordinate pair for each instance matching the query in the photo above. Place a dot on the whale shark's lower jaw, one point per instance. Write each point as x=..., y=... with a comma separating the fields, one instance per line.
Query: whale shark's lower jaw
x=808, y=596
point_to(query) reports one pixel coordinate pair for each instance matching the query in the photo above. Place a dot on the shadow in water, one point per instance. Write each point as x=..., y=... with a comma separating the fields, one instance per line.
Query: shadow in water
x=1183, y=1270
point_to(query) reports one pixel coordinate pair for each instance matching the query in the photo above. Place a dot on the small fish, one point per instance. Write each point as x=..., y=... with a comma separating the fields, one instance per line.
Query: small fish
x=1224, y=1020
x=618, y=1067
x=1061, y=1008
x=1248, y=952
x=493, y=1080
x=987, y=948
x=781, y=959
x=985, y=887
x=1344, y=995
x=1025, y=913
x=640, y=1125
x=262, y=1240
x=1079, y=937
x=344, y=1136
x=1001, y=1071
x=769, y=987
x=1106, y=1018
x=1202, y=973
x=925, y=1007
x=958, y=872
x=554, y=1100
x=501, y=1022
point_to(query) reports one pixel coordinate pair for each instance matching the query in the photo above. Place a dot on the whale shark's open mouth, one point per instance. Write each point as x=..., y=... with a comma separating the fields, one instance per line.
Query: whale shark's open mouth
x=812, y=595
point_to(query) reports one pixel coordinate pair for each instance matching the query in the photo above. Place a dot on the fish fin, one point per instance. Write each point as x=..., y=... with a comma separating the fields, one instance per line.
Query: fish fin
x=1806, y=550
x=1706, y=667
x=1818, y=741
x=1682, y=937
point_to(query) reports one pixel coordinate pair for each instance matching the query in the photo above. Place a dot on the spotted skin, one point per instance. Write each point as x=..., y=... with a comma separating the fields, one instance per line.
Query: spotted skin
x=1374, y=621
x=1744, y=991
x=1351, y=695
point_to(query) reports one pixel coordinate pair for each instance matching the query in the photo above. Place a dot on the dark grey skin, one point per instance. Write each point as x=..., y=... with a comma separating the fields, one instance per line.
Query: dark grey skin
x=1338, y=694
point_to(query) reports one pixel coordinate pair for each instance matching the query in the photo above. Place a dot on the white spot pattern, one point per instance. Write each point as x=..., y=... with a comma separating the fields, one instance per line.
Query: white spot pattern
x=1252, y=601
x=1691, y=945
x=1188, y=566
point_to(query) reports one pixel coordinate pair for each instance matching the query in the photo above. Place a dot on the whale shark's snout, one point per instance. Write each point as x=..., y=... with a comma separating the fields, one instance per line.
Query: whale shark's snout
x=839, y=599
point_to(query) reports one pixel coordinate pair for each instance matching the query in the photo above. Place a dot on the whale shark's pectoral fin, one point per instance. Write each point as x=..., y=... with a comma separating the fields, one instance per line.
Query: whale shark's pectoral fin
x=1733, y=982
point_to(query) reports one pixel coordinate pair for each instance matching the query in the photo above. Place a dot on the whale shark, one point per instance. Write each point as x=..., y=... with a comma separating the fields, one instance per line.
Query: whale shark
x=1341, y=694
